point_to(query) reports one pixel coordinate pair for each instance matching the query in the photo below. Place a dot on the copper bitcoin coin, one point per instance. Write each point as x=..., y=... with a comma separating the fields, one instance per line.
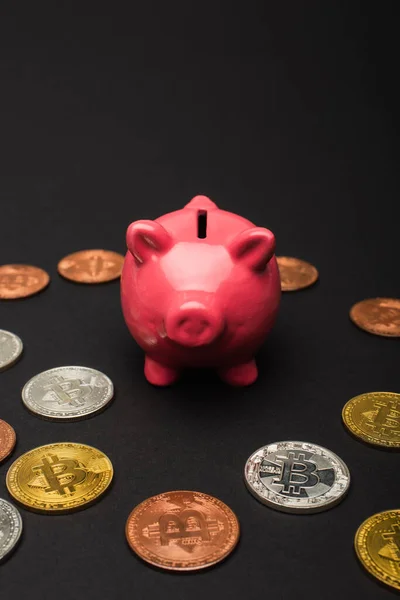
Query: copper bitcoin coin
x=20, y=281
x=7, y=440
x=380, y=316
x=91, y=266
x=295, y=274
x=182, y=531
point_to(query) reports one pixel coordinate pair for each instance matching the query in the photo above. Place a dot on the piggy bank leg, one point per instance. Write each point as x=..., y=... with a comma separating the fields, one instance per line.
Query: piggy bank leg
x=240, y=375
x=159, y=374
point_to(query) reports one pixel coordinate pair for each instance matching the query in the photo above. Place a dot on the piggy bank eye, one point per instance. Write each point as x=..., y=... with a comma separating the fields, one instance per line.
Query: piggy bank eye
x=253, y=247
x=147, y=240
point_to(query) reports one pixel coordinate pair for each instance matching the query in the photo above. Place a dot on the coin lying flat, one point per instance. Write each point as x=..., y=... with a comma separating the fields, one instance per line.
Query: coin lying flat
x=182, y=531
x=380, y=316
x=10, y=348
x=296, y=477
x=10, y=527
x=91, y=266
x=21, y=281
x=374, y=418
x=59, y=477
x=7, y=440
x=68, y=393
x=295, y=273
x=377, y=544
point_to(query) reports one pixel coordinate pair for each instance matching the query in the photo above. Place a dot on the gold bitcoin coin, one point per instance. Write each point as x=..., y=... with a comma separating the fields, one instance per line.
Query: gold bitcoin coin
x=91, y=266
x=377, y=544
x=59, y=477
x=380, y=316
x=295, y=273
x=374, y=418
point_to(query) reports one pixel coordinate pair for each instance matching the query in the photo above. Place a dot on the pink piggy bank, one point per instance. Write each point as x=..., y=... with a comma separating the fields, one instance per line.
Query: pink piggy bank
x=200, y=287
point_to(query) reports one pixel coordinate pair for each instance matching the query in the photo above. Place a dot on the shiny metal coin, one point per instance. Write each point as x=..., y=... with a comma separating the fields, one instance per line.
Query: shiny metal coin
x=10, y=527
x=10, y=348
x=296, y=477
x=67, y=393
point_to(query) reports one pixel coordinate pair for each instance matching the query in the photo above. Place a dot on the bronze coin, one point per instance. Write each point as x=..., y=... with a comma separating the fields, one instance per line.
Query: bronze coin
x=91, y=266
x=20, y=281
x=182, y=531
x=295, y=273
x=7, y=439
x=380, y=316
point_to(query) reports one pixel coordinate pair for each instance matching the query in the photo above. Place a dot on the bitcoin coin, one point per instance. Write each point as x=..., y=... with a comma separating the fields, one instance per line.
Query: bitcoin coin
x=296, y=477
x=374, y=418
x=10, y=349
x=10, y=527
x=7, y=440
x=91, y=266
x=20, y=281
x=182, y=531
x=377, y=544
x=68, y=393
x=380, y=316
x=59, y=477
x=295, y=274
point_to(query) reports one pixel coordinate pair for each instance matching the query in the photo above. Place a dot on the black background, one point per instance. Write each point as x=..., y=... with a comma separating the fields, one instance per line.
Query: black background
x=282, y=114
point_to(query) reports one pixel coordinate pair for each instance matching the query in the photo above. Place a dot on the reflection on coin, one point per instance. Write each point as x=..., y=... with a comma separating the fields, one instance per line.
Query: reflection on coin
x=374, y=418
x=59, y=477
x=20, y=281
x=182, y=531
x=7, y=440
x=296, y=477
x=377, y=544
x=380, y=316
x=10, y=527
x=10, y=348
x=91, y=266
x=67, y=393
x=295, y=274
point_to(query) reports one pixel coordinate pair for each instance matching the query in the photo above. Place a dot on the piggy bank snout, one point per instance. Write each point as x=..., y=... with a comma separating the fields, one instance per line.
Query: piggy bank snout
x=193, y=324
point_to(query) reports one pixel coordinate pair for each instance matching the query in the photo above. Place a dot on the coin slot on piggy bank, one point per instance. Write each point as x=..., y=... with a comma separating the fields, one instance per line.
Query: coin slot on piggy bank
x=202, y=224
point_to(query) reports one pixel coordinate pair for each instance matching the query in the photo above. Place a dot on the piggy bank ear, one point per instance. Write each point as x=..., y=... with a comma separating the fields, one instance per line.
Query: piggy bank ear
x=147, y=239
x=253, y=247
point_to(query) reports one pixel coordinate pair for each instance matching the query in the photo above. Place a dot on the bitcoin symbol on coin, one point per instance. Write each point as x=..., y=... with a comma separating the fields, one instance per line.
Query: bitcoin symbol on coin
x=385, y=420
x=61, y=475
x=67, y=391
x=391, y=550
x=297, y=473
x=189, y=524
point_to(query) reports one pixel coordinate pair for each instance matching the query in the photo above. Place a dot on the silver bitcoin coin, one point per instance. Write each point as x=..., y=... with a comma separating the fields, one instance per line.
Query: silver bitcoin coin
x=10, y=348
x=10, y=527
x=67, y=393
x=296, y=477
